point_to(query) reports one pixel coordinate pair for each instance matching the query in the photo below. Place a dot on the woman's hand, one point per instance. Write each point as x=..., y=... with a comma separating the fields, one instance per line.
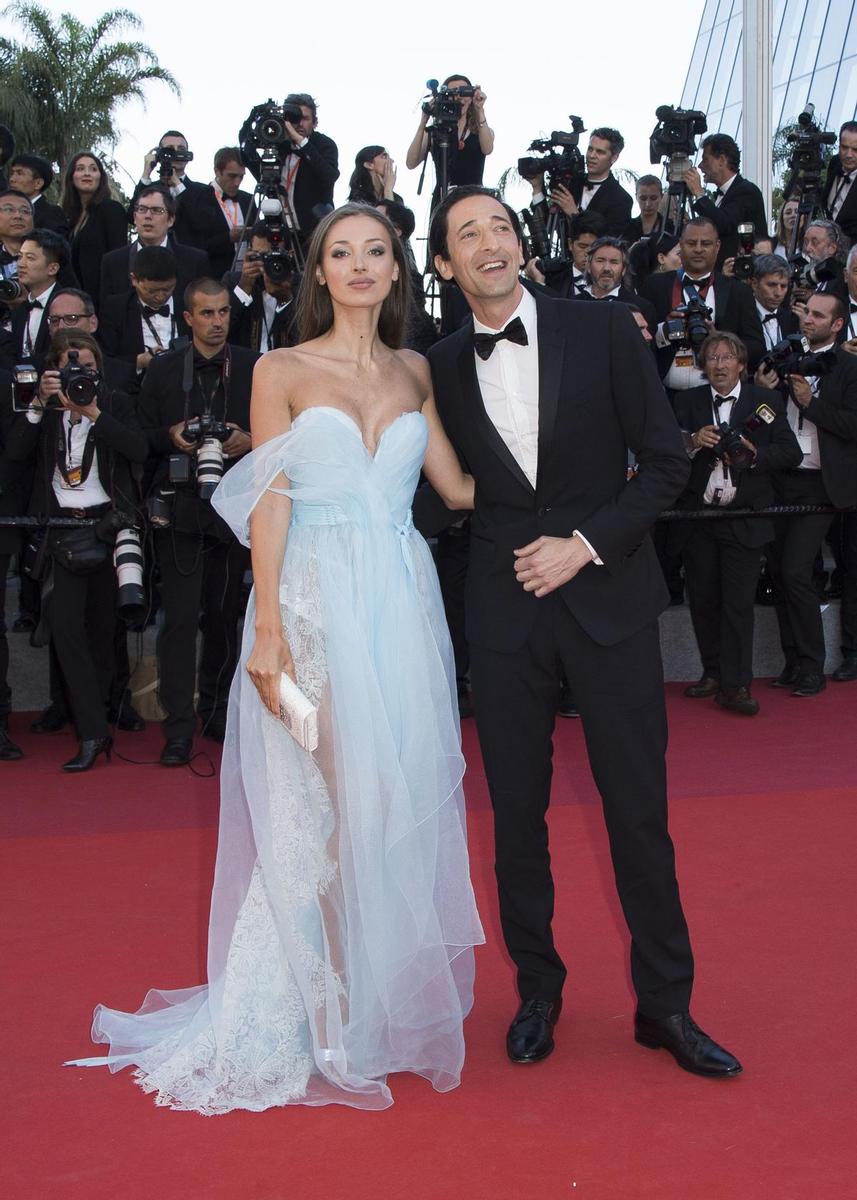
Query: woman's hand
x=269, y=658
x=389, y=178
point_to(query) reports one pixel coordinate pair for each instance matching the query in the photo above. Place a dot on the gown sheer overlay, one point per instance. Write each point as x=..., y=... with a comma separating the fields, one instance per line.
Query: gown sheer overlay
x=342, y=914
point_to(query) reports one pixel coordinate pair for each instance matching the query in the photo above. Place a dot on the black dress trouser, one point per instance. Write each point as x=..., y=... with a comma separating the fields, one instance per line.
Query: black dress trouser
x=201, y=578
x=619, y=693
x=81, y=618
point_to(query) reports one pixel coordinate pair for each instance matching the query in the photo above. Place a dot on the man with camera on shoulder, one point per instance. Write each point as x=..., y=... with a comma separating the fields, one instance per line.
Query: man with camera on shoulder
x=599, y=191
x=261, y=295
x=195, y=409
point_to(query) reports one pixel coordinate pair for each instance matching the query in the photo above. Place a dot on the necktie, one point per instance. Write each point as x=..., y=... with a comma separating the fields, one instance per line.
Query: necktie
x=484, y=343
x=718, y=400
x=844, y=182
x=163, y=311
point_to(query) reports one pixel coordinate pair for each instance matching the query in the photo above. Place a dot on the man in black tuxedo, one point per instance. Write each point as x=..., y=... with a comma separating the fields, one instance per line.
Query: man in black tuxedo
x=841, y=183
x=198, y=222
x=310, y=167
x=231, y=205
x=722, y=557
x=542, y=409
x=263, y=309
x=202, y=563
x=142, y=324
x=844, y=533
x=600, y=192
x=13, y=500
x=605, y=278
x=730, y=300
x=154, y=219
x=41, y=259
x=736, y=201
x=33, y=175
x=770, y=284
x=822, y=411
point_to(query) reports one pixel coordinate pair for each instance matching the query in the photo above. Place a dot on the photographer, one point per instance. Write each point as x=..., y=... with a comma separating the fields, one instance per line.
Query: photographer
x=144, y=323
x=736, y=201
x=197, y=220
x=154, y=221
x=194, y=435
x=605, y=277
x=468, y=150
x=16, y=221
x=231, y=205
x=722, y=557
x=261, y=297
x=310, y=161
x=770, y=284
x=839, y=189
x=85, y=437
x=13, y=493
x=599, y=192
x=677, y=297
x=822, y=411
x=32, y=175
x=41, y=259
x=568, y=279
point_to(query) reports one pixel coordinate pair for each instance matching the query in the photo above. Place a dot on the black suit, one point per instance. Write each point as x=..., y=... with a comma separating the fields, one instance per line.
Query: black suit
x=209, y=216
x=598, y=394
x=247, y=321
x=50, y=216
x=611, y=202
x=316, y=175
x=734, y=311
x=106, y=229
x=118, y=264
x=847, y=219
x=626, y=295
x=722, y=557
x=19, y=326
x=742, y=204
x=834, y=413
x=120, y=328
x=786, y=323
x=14, y=485
x=202, y=564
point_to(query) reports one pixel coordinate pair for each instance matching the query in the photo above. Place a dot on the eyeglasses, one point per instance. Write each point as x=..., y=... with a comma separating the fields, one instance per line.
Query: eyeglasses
x=156, y=210
x=721, y=358
x=67, y=319
x=9, y=210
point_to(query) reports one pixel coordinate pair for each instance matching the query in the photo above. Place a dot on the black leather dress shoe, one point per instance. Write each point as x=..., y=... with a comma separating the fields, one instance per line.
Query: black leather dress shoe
x=215, y=729
x=89, y=750
x=52, y=720
x=465, y=700
x=689, y=1046
x=566, y=706
x=847, y=670
x=706, y=686
x=787, y=678
x=530, y=1036
x=176, y=752
x=127, y=718
x=9, y=750
x=738, y=700
x=809, y=684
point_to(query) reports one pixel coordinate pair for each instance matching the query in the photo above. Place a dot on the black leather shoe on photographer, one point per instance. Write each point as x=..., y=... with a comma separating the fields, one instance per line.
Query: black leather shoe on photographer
x=691, y=1048
x=846, y=672
x=809, y=684
x=530, y=1036
x=9, y=750
x=52, y=720
x=706, y=686
x=788, y=677
x=737, y=700
x=176, y=752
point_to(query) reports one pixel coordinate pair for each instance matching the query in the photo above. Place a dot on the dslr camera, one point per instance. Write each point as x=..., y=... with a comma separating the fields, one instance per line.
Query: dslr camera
x=731, y=445
x=208, y=435
x=278, y=264
x=792, y=356
x=808, y=275
x=689, y=328
x=167, y=157
x=674, y=138
x=82, y=385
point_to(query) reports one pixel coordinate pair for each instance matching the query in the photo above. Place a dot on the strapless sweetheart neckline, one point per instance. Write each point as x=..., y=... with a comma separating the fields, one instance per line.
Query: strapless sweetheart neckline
x=415, y=412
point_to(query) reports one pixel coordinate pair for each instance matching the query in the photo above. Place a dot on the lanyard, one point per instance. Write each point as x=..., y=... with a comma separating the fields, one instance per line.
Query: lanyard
x=154, y=331
x=74, y=474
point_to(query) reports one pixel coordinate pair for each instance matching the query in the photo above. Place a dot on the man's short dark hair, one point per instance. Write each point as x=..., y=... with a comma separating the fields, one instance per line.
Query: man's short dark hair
x=38, y=165
x=613, y=136
x=586, y=222
x=14, y=192
x=722, y=145
x=303, y=99
x=259, y=230
x=173, y=133
x=53, y=245
x=439, y=228
x=696, y=222
x=848, y=127
x=770, y=264
x=84, y=297
x=614, y=243
x=204, y=286
x=162, y=191
x=226, y=155
x=650, y=181
x=155, y=263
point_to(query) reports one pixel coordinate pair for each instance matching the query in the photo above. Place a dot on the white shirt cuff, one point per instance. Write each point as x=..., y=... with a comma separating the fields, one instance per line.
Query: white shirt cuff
x=242, y=296
x=589, y=547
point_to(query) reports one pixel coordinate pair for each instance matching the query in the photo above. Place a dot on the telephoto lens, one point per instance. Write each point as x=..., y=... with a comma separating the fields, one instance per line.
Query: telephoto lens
x=209, y=466
x=128, y=562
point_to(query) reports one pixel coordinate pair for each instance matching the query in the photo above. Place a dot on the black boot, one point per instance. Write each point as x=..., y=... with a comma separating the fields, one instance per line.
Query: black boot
x=90, y=748
x=9, y=750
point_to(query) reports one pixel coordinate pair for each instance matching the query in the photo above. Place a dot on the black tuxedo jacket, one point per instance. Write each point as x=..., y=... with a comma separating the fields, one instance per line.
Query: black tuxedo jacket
x=734, y=311
x=627, y=296
x=611, y=202
x=162, y=405
x=219, y=245
x=118, y=443
x=50, y=216
x=742, y=203
x=834, y=412
x=847, y=220
x=246, y=323
x=599, y=393
x=120, y=328
x=118, y=264
x=318, y=172
x=14, y=476
x=106, y=229
x=776, y=450
x=18, y=326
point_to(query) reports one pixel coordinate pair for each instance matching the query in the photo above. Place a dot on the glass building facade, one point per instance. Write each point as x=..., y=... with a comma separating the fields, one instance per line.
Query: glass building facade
x=815, y=60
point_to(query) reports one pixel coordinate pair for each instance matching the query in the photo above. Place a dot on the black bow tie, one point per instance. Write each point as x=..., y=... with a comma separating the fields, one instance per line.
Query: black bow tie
x=770, y=317
x=31, y=304
x=853, y=308
x=484, y=343
x=163, y=311
x=592, y=183
x=201, y=363
x=718, y=400
x=699, y=284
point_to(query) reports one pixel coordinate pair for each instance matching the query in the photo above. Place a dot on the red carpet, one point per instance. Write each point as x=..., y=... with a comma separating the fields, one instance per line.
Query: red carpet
x=106, y=881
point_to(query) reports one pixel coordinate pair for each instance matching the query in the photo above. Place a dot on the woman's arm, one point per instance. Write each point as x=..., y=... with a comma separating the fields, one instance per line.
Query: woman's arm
x=419, y=146
x=486, y=133
x=441, y=467
x=270, y=416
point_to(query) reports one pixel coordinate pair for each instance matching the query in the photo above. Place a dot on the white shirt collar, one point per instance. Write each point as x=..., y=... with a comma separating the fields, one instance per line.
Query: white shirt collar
x=735, y=393
x=723, y=188
x=43, y=295
x=526, y=310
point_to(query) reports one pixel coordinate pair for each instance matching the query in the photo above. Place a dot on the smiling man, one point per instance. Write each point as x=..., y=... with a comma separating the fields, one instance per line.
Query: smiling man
x=542, y=398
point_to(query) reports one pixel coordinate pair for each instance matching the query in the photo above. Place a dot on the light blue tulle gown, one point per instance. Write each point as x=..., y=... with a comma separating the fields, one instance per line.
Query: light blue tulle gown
x=342, y=917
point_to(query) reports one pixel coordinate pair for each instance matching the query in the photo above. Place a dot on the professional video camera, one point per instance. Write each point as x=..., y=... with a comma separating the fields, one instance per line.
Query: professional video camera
x=444, y=104
x=731, y=446
x=807, y=158
x=673, y=141
x=265, y=132
x=560, y=157
x=167, y=157
x=268, y=128
x=743, y=267
x=208, y=435
x=792, y=356
x=689, y=328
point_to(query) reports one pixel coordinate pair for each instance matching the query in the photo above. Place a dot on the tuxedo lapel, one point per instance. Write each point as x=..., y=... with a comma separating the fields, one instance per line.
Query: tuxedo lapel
x=551, y=353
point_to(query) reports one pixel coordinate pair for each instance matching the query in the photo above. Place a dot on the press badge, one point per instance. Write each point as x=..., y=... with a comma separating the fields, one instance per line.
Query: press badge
x=683, y=358
x=804, y=440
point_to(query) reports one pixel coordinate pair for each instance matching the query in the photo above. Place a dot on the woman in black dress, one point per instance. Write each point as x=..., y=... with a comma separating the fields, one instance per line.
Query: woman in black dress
x=373, y=177
x=467, y=152
x=98, y=223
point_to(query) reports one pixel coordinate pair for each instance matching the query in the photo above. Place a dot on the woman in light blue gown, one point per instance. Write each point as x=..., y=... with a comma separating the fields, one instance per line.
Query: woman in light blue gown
x=342, y=916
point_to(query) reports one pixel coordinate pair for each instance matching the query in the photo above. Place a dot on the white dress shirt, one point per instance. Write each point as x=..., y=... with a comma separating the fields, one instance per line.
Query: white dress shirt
x=771, y=329
x=723, y=188
x=157, y=330
x=589, y=191
x=839, y=190
x=805, y=430
x=684, y=375
x=35, y=318
x=720, y=489
x=90, y=492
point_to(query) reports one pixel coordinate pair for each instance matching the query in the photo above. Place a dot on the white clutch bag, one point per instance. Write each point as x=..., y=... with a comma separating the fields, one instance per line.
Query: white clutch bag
x=298, y=714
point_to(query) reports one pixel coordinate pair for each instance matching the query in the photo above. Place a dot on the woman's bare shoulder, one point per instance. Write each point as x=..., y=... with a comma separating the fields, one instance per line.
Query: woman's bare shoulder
x=417, y=366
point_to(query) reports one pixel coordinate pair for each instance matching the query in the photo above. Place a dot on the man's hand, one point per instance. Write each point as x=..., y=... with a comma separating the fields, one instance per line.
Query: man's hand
x=84, y=410
x=562, y=198
x=728, y=268
x=693, y=181
x=49, y=385
x=537, y=183
x=236, y=233
x=531, y=270
x=179, y=441
x=149, y=163
x=251, y=270
x=766, y=377
x=800, y=390
x=727, y=458
x=237, y=443
x=549, y=562
x=144, y=359
x=294, y=134
x=705, y=438
x=850, y=347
